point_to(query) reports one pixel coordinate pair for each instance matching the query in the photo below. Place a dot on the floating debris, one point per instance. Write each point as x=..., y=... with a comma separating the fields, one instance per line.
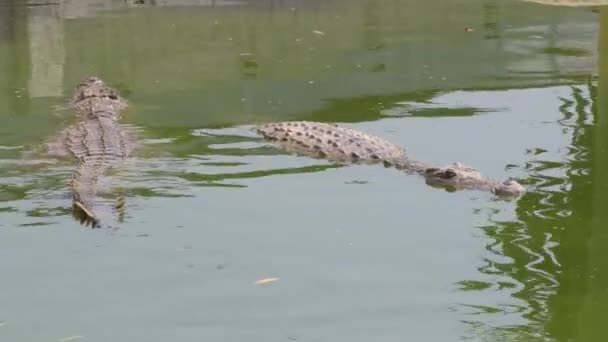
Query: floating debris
x=264, y=281
x=71, y=338
x=320, y=33
x=357, y=182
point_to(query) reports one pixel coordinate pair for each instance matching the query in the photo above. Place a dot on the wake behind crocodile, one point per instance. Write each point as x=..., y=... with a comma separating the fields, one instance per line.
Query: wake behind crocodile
x=342, y=144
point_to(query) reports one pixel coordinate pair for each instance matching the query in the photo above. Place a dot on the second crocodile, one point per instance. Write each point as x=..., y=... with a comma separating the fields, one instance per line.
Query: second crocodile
x=342, y=144
x=98, y=141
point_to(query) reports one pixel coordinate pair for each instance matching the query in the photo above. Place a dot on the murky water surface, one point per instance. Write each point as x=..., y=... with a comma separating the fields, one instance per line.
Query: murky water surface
x=361, y=253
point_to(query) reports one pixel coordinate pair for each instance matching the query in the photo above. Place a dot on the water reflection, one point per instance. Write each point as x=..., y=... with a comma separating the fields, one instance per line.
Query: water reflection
x=543, y=258
x=250, y=67
x=593, y=271
x=552, y=258
x=47, y=51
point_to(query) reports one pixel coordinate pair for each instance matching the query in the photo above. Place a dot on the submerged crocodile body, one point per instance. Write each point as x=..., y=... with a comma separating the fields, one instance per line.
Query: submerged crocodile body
x=342, y=144
x=98, y=141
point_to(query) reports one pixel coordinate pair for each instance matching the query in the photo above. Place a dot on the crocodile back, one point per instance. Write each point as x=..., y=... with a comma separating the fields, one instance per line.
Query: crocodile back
x=332, y=142
x=98, y=141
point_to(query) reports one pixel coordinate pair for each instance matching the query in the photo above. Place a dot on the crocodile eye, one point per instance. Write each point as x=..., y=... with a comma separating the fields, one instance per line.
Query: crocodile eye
x=449, y=173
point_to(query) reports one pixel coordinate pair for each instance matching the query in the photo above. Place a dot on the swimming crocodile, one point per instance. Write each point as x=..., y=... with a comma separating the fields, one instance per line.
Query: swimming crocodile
x=98, y=141
x=342, y=144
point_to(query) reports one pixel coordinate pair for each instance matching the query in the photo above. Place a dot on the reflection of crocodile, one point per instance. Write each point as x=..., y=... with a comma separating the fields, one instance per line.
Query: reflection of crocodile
x=332, y=142
x=98, y=141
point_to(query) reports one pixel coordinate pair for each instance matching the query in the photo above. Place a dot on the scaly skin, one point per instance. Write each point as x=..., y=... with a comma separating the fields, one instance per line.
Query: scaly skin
x=341, y=144
x=98, y=141
x=321, y=140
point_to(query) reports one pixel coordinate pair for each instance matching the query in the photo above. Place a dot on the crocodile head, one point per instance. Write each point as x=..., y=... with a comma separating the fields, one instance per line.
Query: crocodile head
x=452, y=175
x=93, y=96
x=458, y=176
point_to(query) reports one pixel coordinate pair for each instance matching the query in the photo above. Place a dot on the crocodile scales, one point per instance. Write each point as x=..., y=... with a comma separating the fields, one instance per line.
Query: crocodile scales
x=98, y=141
x=342, y=144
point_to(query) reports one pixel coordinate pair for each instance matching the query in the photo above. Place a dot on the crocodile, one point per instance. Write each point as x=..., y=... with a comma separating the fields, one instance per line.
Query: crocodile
x=97, y=141
x=342, y=144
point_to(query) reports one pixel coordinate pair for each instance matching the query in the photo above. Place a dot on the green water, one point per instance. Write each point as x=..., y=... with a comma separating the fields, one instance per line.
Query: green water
x=362, y=253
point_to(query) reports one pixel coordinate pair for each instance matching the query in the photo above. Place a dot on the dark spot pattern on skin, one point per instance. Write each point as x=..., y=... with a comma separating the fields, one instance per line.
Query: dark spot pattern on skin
x=299, y=133
x=375, y=156
x=317, y=147
x=354, y=155
x=369, y=150
x=319, y=140
x=341, y=151
x=387, y=163
x=322, y=154
x=314, y=128
x=329, y=141
x=336, y=135
x=284, y=139
x=311, y=136
x=334, y=145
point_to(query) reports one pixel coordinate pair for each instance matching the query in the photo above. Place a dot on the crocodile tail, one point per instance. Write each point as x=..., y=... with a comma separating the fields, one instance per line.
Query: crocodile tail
x=83, y=185
x=85, y=215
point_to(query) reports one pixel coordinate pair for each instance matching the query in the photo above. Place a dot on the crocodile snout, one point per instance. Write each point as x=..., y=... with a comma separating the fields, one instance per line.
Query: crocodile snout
x=510, y=187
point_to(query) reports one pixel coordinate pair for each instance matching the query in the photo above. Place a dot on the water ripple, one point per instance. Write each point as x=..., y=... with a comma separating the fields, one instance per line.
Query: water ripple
x=528, y=252
x=222, y=157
